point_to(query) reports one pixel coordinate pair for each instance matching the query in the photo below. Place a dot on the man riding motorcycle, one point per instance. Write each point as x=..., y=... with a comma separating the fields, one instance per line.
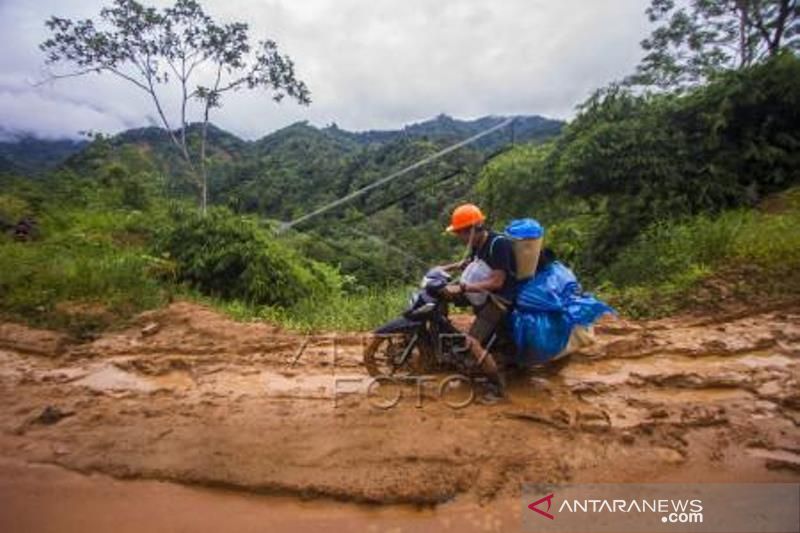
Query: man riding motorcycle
x=491, y=254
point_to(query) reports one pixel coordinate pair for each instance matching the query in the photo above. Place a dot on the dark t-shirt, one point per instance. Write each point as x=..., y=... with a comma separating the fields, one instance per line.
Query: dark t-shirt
x=497, y=252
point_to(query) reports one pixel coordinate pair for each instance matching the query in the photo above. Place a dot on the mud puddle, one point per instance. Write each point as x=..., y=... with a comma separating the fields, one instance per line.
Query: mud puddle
x=47, y=498
x=111, y=378
x=289, y=384
x=115, y=376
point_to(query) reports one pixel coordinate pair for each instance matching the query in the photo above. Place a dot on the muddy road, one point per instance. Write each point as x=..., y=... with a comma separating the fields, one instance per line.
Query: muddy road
x=188, y=396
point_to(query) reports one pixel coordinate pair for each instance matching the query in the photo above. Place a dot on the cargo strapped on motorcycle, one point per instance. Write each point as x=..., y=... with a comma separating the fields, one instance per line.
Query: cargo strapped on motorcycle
x=548, y=308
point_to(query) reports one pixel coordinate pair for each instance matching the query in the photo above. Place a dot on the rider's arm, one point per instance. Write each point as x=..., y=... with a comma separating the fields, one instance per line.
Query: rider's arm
x=453, y=266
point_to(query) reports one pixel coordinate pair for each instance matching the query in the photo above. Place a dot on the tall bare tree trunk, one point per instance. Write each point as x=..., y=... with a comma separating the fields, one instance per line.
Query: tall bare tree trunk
x=203, y=170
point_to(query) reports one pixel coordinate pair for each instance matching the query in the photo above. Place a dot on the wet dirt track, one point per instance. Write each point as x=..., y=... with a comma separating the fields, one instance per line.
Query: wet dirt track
x=188, y=396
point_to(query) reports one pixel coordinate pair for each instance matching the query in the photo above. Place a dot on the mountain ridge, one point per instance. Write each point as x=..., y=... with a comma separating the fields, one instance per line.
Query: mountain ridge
x=24, y=152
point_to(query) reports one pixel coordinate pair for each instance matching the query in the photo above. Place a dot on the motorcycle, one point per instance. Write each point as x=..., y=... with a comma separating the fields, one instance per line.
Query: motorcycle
x=423, y=340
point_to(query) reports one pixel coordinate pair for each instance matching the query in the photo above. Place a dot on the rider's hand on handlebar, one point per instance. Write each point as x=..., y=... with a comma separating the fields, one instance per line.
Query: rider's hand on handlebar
x=452, y=290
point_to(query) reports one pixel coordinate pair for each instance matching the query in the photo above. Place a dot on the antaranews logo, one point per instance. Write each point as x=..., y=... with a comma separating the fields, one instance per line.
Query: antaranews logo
x=549, y=500
x=672, y=511
x=660, y=507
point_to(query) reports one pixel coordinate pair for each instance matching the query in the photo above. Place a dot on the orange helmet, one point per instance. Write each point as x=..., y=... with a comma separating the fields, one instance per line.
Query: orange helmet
x=465, y=216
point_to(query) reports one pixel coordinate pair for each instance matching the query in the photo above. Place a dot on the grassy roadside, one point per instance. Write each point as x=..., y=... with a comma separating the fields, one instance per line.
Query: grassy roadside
x=90, y=271
x=84, y=275
x=344, y=312
x=748, y=256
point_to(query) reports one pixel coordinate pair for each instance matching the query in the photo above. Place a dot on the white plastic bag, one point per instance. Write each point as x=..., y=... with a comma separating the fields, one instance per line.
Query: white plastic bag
x=476, y=272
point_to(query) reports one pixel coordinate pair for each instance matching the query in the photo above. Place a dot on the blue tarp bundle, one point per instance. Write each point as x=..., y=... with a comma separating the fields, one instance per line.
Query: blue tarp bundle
x=548, y=307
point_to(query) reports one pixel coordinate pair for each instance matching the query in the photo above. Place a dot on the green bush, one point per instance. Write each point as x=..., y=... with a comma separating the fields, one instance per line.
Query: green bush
x=36, y=278
x=12, y=209
x=233, y=257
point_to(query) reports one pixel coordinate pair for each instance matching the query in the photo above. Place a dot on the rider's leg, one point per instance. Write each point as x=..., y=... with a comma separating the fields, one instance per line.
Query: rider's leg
x=494, y=389
x=485, y=360
x=487, y=320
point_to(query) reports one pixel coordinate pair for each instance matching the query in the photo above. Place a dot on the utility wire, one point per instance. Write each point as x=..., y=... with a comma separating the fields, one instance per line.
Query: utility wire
x=446, y=177
x=442, y=179
x=390, y=203
x=362, y=215
x=355, y=194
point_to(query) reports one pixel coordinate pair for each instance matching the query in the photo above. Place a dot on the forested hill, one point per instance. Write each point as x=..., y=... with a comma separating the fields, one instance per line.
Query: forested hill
x=443, y=127
x=30, y=155
x=301, y=167
x=25, y=153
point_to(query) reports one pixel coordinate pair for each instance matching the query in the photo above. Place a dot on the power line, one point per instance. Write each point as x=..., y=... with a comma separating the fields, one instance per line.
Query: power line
x=362, y=215
x=441, y=179
x=389, y=203
x=446, y=177
x=355, y=194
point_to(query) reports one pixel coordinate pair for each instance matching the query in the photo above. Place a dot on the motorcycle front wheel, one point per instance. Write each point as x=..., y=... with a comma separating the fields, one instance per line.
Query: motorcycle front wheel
x=396, y=355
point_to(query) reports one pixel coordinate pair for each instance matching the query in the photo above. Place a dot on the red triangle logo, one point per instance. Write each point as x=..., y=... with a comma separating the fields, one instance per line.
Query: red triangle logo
x=549, y=500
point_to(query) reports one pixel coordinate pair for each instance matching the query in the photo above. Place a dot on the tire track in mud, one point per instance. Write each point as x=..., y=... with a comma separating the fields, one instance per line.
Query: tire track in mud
x=187, y=395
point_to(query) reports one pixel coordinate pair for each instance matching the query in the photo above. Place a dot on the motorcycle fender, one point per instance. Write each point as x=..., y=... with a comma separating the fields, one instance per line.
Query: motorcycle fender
x=399, y=325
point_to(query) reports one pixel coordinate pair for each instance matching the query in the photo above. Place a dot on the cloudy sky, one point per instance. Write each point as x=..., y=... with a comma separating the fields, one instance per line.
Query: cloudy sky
x=370, y=64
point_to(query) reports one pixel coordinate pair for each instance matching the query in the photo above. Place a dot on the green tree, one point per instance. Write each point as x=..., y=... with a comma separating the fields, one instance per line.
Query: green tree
x=630, y=160
x=694, y=41
x=148, y=48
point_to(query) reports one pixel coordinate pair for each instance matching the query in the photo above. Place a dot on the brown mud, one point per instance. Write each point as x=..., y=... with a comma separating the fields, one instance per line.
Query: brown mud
x=186, y=395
